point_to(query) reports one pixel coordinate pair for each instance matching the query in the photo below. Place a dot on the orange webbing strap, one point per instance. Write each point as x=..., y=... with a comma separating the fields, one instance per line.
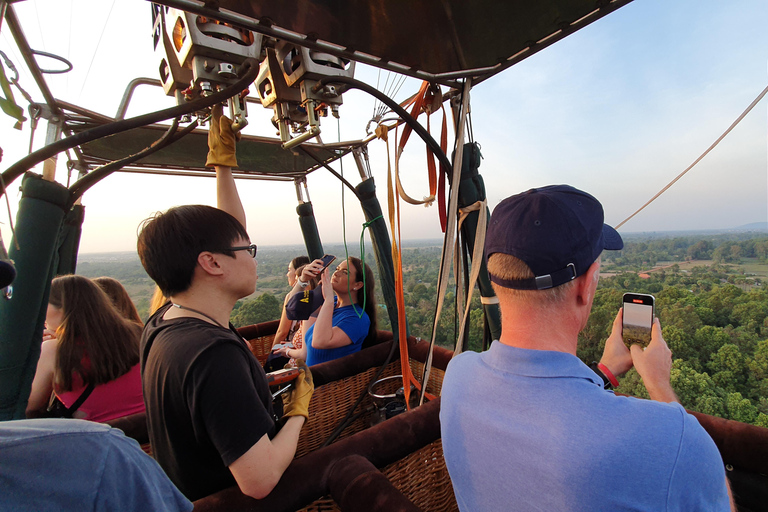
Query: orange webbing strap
x=394, y=221
x=441, y=210
x=418, y=103
x=429, y=99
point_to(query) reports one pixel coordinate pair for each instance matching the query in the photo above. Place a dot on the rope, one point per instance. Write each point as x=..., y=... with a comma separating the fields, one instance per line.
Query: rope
x=96, y=50
x=362, y=261
x=737, y=121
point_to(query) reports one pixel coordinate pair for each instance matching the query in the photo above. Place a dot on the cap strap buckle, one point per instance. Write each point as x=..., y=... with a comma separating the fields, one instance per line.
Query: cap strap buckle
x=539, y=282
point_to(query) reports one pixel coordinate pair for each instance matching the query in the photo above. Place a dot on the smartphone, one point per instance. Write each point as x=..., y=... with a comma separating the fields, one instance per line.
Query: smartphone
x=327, y=260
x=286, y=344
x=637, y=318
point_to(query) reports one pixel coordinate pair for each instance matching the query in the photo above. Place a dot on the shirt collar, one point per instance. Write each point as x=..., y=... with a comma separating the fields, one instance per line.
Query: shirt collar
x=537, y=363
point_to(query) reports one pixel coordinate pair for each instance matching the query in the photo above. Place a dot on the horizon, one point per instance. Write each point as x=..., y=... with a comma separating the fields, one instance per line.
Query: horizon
x=437, y=242
x=618, y=109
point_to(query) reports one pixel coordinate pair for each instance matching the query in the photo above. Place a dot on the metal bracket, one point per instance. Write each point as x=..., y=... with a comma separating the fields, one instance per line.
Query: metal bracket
x=302, y=193
x=313, y=130
x=360, y=154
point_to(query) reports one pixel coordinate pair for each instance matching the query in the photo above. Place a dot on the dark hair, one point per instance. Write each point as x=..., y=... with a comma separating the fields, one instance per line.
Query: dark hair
x=299, y=261
x=120, y=298
x=169, y=243
x=368, y=296
x=91, y=327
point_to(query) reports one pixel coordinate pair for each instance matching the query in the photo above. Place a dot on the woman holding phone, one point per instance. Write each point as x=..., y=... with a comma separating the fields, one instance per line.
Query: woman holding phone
x=347, y=315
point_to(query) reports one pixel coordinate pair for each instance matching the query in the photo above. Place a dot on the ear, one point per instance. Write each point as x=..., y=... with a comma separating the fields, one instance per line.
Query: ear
x=587, y=283
x=209, y=263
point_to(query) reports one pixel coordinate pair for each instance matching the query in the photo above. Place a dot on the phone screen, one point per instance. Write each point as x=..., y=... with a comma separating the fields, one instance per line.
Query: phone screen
x=327, y=260
x=637, y=318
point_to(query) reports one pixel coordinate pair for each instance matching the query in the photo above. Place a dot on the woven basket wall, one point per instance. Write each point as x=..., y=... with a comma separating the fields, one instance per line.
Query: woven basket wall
x=261, y=347
x=330, y=404
x=420, y=476
x=423, y=478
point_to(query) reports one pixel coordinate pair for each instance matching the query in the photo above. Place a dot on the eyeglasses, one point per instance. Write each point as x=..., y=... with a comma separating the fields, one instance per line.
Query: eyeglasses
x=250, y=248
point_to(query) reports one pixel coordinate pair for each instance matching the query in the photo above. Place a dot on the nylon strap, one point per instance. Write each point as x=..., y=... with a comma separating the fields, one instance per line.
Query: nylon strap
x=477, y=257
x=393, y=206
x=442, y=279
x=423, y=101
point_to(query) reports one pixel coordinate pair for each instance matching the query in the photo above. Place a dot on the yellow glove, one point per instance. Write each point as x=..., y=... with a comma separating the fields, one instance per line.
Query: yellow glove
x=296, y=402
x=221, y=141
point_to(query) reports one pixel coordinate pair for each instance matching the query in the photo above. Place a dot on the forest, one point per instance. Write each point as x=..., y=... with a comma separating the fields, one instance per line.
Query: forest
x=711, y=298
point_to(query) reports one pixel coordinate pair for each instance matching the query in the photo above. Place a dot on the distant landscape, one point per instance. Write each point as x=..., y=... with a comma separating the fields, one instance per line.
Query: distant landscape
x=711, y=294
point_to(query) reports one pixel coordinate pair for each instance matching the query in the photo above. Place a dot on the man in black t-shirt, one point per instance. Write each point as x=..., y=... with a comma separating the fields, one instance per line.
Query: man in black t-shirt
x=209, y=408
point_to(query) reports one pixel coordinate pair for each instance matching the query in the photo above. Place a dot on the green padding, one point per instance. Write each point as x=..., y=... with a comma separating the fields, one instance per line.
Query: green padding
x=382, y=248
x=471, y=190
x=41, y=211
x=69, y=242
x=309, y=230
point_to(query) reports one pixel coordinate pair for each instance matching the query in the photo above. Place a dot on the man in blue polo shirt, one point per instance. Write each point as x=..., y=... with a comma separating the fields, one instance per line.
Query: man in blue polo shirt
x=527, y=425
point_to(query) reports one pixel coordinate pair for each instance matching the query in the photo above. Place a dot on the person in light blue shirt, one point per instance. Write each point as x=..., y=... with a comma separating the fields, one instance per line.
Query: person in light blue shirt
x=66, y=464
x=527, y=425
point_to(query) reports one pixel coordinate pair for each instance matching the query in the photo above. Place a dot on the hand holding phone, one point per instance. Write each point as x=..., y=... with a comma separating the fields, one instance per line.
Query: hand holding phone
x=327, y=260
x=637, y=318
x=316, y=268
x=283, y=347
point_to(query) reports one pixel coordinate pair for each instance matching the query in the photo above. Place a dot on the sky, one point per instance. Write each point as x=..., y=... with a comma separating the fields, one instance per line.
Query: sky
x=617, y=109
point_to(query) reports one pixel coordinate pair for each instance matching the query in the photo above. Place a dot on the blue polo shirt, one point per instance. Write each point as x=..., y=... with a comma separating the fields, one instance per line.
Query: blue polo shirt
x=535, y=430
x=346, y=319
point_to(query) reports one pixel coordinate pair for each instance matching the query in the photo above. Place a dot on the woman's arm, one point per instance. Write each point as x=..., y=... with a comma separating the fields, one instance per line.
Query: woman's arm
x=325, y=335
x=42, y=385
x=297, y=353
x=283, y=328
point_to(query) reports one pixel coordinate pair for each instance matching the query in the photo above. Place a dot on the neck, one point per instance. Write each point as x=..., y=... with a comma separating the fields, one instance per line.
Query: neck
x=533, y=327
x=346, y=299
x=210, y=303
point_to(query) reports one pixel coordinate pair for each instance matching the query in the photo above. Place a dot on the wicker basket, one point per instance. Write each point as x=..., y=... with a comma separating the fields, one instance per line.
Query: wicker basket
x=330, y=404
x=261, y=347
x=422, y=478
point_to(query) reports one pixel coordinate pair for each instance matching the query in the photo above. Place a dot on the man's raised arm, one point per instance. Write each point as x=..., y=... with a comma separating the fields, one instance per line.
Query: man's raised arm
x=222, y=156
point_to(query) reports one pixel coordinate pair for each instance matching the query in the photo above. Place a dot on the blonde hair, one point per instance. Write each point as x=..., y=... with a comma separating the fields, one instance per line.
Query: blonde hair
x=506, y=266
x=157, y=301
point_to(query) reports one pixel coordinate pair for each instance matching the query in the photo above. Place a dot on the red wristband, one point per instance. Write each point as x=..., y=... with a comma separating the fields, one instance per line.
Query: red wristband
x=607, y=373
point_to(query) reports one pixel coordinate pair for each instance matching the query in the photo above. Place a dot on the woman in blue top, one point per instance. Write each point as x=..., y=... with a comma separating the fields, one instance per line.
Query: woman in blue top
x=347, y=316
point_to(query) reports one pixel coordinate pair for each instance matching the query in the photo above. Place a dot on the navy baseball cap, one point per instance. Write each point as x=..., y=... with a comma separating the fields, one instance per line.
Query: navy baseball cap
x=301, y=305
x=558, y=231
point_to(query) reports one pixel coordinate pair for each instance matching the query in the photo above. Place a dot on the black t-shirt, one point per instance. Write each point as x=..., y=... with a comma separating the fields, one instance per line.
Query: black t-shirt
x=207, y=400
